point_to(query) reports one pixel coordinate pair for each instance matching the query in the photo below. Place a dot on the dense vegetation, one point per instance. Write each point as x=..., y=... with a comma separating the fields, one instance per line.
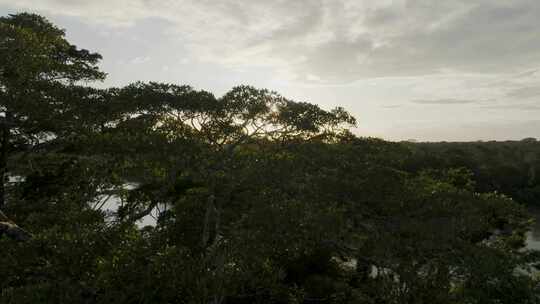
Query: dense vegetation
x=256, y=198
x=511, y=167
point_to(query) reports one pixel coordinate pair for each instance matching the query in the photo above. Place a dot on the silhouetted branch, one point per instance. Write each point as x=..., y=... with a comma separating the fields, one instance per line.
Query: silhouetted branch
x=11, y=229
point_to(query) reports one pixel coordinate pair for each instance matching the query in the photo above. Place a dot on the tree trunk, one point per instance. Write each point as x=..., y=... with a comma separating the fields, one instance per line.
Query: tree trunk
x=208, y=216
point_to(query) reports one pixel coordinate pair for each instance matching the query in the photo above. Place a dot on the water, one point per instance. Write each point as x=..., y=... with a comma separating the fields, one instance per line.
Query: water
x=533, y=237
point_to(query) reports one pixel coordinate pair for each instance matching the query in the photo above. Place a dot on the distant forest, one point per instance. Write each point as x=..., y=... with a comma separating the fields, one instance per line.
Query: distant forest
x=162, y=193
x=510, y=167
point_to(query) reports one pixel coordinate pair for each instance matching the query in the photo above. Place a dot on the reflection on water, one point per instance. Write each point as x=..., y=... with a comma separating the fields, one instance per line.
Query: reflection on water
x=533, y=237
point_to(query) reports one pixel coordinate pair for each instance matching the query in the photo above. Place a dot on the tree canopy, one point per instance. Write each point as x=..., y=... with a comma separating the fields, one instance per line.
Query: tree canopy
x=162, y=193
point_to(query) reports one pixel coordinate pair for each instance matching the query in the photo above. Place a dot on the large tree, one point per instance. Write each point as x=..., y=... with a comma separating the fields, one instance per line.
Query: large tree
x=37, y=68
x=36, y=64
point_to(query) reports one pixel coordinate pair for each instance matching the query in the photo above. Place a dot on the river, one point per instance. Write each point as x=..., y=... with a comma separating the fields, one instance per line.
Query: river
x=533, y=237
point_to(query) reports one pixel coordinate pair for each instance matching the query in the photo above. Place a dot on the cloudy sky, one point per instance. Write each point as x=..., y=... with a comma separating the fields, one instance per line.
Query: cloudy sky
x=416, y=69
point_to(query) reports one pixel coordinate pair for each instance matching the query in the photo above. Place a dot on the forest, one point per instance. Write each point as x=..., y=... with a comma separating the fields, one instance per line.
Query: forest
x=163, y=193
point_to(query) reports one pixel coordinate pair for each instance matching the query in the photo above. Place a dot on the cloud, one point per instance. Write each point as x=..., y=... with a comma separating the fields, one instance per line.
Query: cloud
x=525, y=92
x=444, y=101
x=139, y=60
x=527, y=74
x=519, y=107
x=334, y=41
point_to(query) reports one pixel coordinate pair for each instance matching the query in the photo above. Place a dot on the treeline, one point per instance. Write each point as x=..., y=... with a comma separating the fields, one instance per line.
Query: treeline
x=509, y=167
x=256, y=198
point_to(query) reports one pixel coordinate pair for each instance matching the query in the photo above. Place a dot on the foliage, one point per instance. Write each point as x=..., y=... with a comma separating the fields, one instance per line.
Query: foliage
x=245, y=198
x=510, y=167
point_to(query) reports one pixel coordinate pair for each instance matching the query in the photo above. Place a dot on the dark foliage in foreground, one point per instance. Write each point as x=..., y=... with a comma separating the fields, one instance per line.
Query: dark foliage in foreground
x=255, y=198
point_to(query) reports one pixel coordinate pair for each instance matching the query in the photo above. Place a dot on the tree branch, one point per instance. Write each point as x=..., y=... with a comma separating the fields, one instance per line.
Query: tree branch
x=11, y=229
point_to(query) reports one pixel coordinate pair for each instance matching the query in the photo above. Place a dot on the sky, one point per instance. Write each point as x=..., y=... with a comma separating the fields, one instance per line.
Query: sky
x=406, y=69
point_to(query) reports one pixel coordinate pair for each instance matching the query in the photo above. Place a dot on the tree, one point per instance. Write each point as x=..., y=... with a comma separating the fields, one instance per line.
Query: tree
x=189, y=139
x=36, y=63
